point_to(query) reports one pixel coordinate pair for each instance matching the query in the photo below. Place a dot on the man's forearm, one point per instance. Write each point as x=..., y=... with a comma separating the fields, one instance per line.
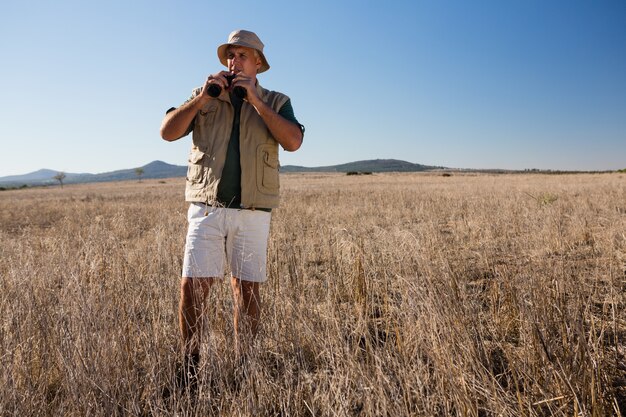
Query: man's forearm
x=287, y=133
x=176, y=122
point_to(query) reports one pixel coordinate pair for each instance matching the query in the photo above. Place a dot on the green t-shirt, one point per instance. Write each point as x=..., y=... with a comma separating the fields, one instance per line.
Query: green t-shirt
x=229, y=188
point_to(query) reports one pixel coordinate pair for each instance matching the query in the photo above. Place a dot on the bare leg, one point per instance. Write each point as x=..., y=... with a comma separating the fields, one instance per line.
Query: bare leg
x=246, y=300
x=193, y=292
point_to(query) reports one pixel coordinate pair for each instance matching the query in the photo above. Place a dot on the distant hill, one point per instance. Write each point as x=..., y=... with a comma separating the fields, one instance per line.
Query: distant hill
x=155, y=169
x=160, y=169
x=372, y=165
x=41, y=175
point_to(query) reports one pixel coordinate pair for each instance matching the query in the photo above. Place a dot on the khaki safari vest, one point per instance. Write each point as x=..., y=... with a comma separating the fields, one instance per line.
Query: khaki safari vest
x=258, y=149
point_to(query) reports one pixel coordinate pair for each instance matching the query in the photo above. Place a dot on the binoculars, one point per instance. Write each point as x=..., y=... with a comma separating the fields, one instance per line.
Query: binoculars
x=214, y=90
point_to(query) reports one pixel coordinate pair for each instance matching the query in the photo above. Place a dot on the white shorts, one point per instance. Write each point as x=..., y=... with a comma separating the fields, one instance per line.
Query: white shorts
x=241, y=234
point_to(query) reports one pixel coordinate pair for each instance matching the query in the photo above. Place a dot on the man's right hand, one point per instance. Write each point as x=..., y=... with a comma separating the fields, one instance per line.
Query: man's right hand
x=176, y=122
x=219, y=79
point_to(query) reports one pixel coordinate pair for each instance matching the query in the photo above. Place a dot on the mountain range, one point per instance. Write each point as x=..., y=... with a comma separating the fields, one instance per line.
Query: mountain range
x=373, y=165
x=160, y=169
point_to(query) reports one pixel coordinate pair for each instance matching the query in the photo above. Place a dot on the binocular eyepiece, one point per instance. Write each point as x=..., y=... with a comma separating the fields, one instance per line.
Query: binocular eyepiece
x=214, y=90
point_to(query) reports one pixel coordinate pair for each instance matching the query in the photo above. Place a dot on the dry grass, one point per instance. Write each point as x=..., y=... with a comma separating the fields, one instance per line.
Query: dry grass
x=470, y=295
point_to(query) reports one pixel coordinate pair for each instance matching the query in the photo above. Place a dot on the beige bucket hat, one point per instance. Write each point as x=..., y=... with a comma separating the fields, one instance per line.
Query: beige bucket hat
x=243, y=38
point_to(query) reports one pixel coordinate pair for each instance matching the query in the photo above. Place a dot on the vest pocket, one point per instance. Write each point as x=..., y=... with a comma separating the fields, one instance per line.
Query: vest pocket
x=195, y=170
x=208, y=110
x=267, y=169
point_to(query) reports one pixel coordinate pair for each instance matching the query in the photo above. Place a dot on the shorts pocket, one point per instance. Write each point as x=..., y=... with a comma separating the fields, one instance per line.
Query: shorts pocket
x=196, y=211
x=267, y=169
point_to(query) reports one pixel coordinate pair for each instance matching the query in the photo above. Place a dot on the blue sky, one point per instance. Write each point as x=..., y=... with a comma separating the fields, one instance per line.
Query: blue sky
x=486, y=84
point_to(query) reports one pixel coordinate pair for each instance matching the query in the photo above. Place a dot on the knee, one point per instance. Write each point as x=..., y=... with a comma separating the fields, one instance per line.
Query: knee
x=186, y=288
x=248, y=291
x=192, y=288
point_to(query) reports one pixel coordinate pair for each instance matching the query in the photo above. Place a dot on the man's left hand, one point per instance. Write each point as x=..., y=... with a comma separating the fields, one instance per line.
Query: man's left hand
x=242, y=80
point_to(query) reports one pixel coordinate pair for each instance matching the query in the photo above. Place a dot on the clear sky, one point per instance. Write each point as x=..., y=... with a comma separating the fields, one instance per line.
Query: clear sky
x=467, y=84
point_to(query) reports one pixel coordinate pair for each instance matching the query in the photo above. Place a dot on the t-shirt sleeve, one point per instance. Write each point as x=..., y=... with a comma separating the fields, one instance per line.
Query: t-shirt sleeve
x=194, y=94
x=286, y=111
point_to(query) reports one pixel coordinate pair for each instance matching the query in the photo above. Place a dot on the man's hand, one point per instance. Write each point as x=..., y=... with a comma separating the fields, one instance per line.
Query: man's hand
x=286, y=133
x=249, y=83
x=218, y=79
x=176, y=122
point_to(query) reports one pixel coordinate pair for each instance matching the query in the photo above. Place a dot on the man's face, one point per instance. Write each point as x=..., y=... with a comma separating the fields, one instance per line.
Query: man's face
x=242, y=59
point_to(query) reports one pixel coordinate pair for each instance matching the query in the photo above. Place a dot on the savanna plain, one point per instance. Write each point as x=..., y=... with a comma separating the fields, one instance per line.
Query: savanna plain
x=387, y=295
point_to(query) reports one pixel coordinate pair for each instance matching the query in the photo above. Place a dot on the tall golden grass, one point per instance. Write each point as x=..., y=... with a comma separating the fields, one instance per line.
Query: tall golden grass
x=388, y=295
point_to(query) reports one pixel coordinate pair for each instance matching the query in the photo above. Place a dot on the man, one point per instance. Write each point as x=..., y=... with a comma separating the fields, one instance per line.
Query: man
x=232, y=184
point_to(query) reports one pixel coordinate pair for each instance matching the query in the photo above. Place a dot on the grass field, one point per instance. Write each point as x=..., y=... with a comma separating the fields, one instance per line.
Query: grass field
x=388, y=295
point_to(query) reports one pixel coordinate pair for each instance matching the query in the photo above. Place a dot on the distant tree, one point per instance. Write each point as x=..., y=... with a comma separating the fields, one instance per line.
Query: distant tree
x=60, y=177
x=139, y=172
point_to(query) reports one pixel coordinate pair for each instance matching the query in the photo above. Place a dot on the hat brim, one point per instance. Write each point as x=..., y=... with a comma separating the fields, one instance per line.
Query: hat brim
x=222, y=50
